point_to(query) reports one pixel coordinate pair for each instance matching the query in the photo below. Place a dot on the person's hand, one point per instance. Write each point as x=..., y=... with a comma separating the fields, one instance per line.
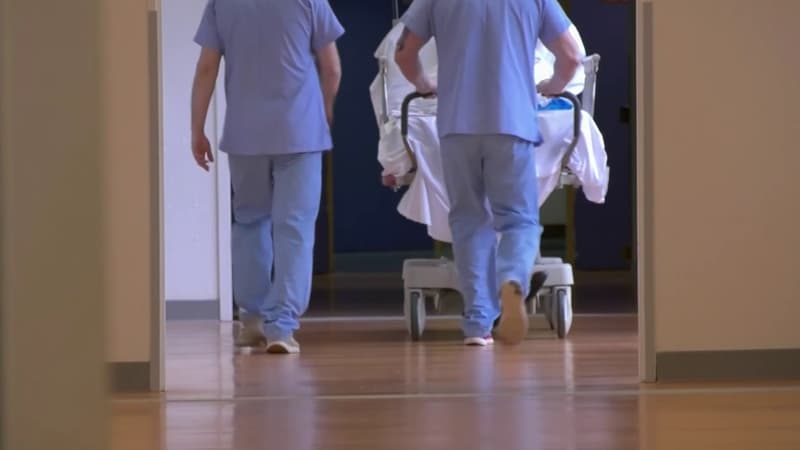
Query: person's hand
x=201, y=150
x=546, y=88
x=389, y=180
x=427, y=87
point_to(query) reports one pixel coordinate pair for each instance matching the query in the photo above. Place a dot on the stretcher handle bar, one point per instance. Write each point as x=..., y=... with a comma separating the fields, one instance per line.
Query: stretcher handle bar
x=404, y=124
x=576, y=130
x=404, y=110
x=385, y=91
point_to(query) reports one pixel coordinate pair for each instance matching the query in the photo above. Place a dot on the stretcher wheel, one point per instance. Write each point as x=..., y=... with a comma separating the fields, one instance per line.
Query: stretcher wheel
x=532, y=305
x=547, y=301
x=562, y=309
x=415, y=314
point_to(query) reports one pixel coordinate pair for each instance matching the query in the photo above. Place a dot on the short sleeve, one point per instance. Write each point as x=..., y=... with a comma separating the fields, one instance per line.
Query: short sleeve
x=207, y=35
x=419, y=19
x=326, y=27
x=554, y=21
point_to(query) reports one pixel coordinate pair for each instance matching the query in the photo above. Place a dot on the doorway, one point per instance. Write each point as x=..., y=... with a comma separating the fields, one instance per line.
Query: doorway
x=197, y=214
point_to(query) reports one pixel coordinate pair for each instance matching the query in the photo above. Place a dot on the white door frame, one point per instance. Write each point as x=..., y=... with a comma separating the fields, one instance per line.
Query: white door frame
x=222, y=176
x=158, y=305
x=225, y=277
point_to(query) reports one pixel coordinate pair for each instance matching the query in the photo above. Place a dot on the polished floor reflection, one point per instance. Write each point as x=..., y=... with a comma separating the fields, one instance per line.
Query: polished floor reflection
x=364, y=385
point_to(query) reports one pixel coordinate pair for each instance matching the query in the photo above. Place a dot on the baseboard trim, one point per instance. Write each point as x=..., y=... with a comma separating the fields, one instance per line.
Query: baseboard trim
x=129, y=377
x=192, y=310
x=783, y=364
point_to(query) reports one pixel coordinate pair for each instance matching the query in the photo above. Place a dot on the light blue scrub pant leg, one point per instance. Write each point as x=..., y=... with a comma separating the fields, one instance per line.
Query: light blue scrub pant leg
x=275, y=206
x=492, y=185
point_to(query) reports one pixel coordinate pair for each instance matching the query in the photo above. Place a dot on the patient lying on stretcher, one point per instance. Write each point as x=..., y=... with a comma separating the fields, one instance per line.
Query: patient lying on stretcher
x=426, y=199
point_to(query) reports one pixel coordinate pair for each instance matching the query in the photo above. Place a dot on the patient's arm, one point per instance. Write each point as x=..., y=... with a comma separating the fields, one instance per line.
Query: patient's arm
x=568, y=59
x=407, y=59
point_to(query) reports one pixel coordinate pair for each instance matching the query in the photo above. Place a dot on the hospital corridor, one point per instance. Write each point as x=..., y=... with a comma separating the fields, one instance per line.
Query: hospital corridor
x=648, y=202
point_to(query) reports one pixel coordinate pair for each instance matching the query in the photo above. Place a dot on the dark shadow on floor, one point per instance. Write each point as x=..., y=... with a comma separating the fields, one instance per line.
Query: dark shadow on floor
x=381, y=294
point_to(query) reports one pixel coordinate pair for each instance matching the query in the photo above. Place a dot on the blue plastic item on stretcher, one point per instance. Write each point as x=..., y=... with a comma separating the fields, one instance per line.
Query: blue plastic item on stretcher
x=555, y=104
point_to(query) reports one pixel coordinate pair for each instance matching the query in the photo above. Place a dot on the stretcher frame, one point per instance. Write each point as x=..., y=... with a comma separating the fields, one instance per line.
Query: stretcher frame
x=424, y=280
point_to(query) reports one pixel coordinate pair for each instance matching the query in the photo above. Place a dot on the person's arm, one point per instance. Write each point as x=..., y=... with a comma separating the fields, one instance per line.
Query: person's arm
x=568, y=60
x=205, y=78
x=555, y=35
x=325, y=31
x=330, y=74
x=408, y=60
x=417, y=31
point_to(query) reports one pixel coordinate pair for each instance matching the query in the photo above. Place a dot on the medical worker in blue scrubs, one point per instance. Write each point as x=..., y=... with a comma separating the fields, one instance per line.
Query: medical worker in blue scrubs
x=282, y=73
x=487, y=98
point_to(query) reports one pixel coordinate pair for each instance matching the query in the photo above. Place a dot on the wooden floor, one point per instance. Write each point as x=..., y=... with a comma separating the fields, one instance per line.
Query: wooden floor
x=362, y=385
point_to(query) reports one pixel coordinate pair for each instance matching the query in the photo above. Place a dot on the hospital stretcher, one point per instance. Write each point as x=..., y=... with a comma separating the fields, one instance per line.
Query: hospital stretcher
x=424, y=280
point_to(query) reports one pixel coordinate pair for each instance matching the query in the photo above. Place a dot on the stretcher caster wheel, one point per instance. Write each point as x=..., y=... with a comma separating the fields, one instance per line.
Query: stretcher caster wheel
x=415, y=313
x=562, y=309
x=532, y=305
x=547, y=301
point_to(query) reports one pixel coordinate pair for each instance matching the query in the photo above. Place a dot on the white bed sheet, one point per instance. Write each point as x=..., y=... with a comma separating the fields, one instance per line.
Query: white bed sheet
x=426, y=200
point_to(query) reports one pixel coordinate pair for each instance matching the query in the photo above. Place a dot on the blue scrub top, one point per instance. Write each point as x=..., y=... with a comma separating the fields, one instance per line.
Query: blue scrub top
x=486, y=54
x=274, y=99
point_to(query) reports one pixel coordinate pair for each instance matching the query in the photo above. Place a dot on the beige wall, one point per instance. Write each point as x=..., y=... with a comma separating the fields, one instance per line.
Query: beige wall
x=127, y=195
x=726, y=192
x=53, y=241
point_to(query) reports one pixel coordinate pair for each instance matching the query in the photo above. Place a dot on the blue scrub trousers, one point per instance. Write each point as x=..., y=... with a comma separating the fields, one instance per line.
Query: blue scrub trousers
x=275, y=205
x=492, y=185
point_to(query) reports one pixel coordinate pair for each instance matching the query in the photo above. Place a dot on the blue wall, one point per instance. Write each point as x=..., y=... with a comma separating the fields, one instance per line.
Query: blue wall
x=604, y=232
x=365, y=213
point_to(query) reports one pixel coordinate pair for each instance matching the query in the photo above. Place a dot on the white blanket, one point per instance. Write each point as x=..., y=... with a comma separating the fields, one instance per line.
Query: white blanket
x=426, y=200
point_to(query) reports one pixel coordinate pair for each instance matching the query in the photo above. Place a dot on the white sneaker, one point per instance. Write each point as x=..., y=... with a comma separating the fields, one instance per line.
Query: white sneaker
x=283, y=347
x=513, y=325
x=250, y=333
x=479, y=341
